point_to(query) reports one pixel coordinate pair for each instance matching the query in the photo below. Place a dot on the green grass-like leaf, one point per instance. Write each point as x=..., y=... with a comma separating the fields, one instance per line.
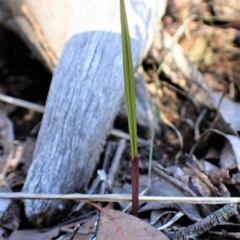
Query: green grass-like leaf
x=128, y=79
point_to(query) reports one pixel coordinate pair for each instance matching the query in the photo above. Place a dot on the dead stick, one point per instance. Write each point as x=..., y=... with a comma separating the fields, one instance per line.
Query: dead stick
x=206, y=224
x=115, y=163
x=120, y=197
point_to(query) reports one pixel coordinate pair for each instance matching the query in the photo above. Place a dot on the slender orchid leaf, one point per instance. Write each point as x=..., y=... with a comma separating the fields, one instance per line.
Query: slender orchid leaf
x=129, y=80
x=130, y=102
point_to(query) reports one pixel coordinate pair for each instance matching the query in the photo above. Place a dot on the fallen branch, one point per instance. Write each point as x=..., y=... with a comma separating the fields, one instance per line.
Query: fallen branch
x=120, y=197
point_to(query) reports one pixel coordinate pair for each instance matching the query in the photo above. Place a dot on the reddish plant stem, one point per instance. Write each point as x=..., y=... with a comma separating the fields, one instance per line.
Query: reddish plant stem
x=135, y=185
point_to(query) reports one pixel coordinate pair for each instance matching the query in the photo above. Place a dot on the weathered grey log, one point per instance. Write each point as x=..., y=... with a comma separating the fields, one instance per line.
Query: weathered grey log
x=86, y=89
x=44, y=28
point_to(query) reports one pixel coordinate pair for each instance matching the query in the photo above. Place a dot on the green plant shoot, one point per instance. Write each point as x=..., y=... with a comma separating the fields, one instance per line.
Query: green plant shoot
x=129, y=80
x=130, y=102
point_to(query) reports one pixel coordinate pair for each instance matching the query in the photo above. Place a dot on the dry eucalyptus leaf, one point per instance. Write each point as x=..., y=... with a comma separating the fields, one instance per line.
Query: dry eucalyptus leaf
x=229, y=110
x=201, y=179
x=201, y=182
x=35, y=234
x=228, y=145
x=219, y=176
x=121, y=226
x=157, y=214
x=207, y=166
x=227, y=158
x=236, y=178
x=162, y=187
x=212, y=154
x=231, y=152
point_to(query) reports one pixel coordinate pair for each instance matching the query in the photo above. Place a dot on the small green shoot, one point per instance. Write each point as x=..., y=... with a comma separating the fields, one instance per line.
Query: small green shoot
x=130, y=102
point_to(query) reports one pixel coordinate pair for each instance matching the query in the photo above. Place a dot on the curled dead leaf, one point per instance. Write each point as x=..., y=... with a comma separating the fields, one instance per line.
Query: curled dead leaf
x=227, y=145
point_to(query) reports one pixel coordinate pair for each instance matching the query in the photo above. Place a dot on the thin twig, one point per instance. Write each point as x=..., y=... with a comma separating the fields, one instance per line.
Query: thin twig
x=176, y=38
x=206, y=224
x=198, y=121
x=96, y=182
x=75, y=230
x=128, y=207
x=120, y=197
x=218, y=114
x=107, y=156
x=179, y=136
x=21, y=103
x=116, y=160
x=93, y=233
x=121, y=134
x=153, y=127
x=91, y=190
x=230, y=78
x=188, y=95
x=158, y=169
x=204, y=178
x=103, y=176
x=171, y=221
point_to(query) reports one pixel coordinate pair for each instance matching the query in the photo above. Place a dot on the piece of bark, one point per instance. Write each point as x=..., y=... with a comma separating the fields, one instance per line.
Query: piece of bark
x=86, y=89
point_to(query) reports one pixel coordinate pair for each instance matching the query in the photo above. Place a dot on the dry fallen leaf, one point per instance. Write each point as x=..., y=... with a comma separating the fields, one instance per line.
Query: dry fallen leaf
x=163, y=187
x=34, y=234
x=157, y=214
x=227, y=145
x=225, y=167
x=229, y=110
x=219, y=176
x=121, y=226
